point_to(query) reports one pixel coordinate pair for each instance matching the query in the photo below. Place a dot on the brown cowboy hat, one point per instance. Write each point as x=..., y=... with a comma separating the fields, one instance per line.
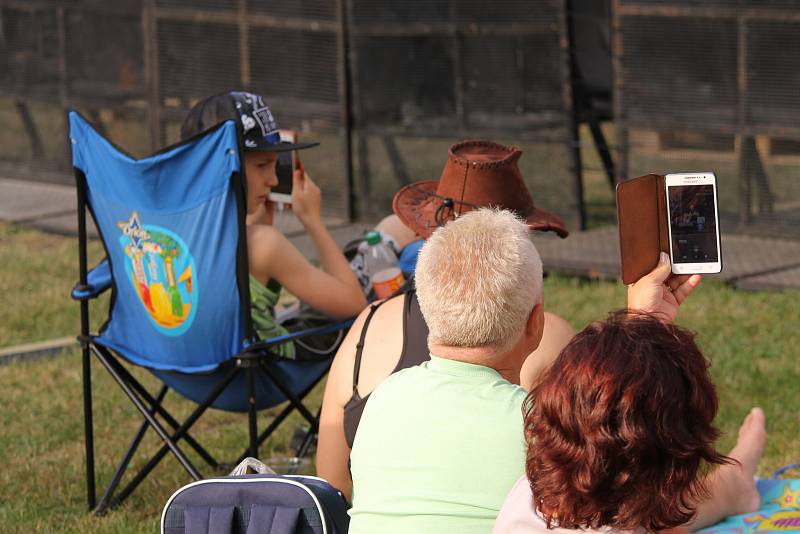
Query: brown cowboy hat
x=477, y=174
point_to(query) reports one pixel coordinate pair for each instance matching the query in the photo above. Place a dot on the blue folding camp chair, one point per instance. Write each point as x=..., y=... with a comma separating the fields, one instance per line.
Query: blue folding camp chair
x=173, y=228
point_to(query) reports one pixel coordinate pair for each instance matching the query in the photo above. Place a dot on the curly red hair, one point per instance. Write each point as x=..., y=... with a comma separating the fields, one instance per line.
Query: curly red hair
x=620, y=426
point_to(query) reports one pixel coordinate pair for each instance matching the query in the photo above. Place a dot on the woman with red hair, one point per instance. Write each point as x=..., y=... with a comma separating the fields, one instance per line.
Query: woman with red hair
x=620, y=430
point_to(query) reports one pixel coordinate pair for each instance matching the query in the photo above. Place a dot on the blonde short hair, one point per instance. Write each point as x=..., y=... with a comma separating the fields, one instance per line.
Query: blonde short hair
x=477, y=280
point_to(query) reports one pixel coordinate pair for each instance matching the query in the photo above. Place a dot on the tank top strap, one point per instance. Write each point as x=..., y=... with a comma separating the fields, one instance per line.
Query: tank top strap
x=360, y=345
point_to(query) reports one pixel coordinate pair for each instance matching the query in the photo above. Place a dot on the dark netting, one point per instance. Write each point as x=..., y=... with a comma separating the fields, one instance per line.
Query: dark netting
x=197, y=59
x=458, y=69
x=104, y=55
x=55, y=56
x=29, y=51
x=297, y=72
x=321, y=10
x=419, y=84
x=296, y=64
x=189, y=6
x=287, y=52
x=407, y=12
x=738, y=4
x=424, y=74
x=773, y=57
x=684, y=3
x=510, y=76
x=679, y=70
x=713, y=85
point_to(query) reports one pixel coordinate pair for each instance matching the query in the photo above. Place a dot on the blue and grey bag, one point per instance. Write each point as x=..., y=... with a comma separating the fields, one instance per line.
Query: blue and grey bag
x=260, y=503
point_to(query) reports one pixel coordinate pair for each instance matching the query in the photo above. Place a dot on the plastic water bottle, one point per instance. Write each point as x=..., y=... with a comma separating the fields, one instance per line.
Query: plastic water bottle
x=382, y=266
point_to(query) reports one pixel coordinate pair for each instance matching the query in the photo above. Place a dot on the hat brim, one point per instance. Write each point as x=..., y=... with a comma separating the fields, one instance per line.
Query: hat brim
x=282, y=147
x=416, y=205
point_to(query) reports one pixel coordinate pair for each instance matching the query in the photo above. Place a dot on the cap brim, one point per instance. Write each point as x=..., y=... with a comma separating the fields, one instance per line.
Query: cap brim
x=282, y=147
x=416, y=204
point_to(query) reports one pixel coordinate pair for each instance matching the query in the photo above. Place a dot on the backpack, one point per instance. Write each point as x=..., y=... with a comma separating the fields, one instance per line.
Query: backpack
x=259, y=503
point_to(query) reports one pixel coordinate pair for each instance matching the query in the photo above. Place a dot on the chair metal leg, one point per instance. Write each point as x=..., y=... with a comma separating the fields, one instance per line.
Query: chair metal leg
x=309, y=438
x=160, y=410
x=102, y=506
x=179, y=433
x=275, y=423
x=267, y=431
x=88, y=425
x=251, y=412
x=112, y=367
x=288, y=393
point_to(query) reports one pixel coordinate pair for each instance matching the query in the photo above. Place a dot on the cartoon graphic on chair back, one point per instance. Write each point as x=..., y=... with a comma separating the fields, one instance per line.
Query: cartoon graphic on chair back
x=160, y=267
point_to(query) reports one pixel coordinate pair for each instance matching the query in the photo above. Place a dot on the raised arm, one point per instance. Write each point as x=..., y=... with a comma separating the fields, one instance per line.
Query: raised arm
x=334, y=289
x=306, y=205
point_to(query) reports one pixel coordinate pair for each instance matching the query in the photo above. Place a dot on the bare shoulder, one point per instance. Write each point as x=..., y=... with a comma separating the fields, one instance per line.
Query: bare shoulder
x=373, y=367
x=263, y=237
x=382, y=344
x=263, y=244
x=558, y=323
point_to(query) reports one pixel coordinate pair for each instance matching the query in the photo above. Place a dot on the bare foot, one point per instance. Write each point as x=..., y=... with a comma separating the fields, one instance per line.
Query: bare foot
x=732, y=487
x=747, y=451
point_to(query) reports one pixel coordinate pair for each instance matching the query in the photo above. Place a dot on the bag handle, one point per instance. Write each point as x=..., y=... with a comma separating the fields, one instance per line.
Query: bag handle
x=251, y=465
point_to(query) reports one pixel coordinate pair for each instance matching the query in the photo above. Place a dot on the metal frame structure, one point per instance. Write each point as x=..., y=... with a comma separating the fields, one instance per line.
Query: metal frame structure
x=152, y=103
x=458, y=125
x=743, y=125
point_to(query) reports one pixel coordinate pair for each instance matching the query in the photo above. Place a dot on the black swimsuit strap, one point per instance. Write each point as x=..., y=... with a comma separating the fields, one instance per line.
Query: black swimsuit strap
x=360, y=345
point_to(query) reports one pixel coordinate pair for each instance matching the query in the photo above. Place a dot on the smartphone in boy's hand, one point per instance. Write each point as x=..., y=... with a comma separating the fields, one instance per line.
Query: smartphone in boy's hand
x=284, y=168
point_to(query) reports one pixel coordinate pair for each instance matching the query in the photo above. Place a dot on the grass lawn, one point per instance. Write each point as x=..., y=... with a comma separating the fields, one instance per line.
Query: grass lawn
x=750, y=337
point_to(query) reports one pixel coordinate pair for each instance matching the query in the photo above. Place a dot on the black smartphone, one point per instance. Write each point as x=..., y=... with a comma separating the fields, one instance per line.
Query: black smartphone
x=284, y=169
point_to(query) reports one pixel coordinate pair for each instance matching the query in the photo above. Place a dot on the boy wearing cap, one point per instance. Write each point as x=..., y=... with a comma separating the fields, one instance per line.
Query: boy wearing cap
x=274, y=261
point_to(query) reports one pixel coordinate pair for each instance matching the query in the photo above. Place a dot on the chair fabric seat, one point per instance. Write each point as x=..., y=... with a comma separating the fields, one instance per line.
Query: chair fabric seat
x=297, y=375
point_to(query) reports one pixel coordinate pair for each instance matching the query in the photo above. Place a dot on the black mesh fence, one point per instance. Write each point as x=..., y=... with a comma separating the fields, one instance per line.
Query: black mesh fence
x=426, y=73
x=54, y=55
x=135, y=67
x=714, y=85
x=422, y=74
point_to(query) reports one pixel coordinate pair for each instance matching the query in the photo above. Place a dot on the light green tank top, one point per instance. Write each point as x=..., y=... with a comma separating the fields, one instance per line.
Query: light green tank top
x=262, y=311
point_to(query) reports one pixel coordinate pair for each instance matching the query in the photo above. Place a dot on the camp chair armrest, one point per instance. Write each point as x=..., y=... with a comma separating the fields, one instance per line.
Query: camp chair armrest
x=97, y=281
x=256, y=348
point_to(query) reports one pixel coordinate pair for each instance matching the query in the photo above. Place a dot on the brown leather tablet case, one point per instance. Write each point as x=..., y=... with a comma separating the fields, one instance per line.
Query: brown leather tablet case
x=642, y=218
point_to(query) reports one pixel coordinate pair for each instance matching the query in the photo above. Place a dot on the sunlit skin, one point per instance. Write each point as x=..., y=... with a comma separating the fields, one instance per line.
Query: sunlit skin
x=261, y=178
x=333, y=289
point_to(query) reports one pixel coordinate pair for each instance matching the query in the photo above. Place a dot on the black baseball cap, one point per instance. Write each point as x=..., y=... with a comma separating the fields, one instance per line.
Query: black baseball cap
x=259, y=129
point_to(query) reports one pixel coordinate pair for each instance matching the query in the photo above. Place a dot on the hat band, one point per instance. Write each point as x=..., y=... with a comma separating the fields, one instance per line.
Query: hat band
x=444, y=211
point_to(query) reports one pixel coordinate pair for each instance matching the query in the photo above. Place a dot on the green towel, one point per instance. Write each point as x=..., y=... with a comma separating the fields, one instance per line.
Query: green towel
x=262, y=311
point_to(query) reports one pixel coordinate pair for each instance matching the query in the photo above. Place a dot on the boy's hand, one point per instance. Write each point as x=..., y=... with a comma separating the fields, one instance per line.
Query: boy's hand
x=660, y=292
x=306, y=196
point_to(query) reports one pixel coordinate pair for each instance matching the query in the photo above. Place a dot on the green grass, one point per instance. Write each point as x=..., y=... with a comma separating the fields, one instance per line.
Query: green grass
x=750, y=337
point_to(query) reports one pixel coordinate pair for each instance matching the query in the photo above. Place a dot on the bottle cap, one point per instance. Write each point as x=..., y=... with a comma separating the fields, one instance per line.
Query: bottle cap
x=372, y=237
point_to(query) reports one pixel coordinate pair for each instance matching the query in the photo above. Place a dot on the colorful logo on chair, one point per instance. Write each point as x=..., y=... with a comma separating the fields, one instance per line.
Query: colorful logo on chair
x=160, y=268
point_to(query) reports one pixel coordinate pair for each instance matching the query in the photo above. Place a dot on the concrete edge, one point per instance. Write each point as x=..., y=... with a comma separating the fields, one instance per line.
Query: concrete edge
x=36, y=351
